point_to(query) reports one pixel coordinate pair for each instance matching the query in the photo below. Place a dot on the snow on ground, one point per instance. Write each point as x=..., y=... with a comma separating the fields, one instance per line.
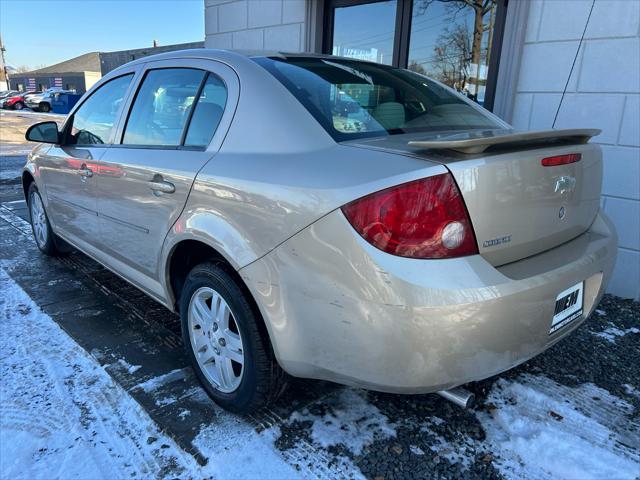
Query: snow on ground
x=156, y=382
x=128, y=367
x=540, y=429
x=58, y=405
x=236, y=451
x=62, y=416
x=10, y=150
x=611, y=333
x=351, y=422
x=61, y=413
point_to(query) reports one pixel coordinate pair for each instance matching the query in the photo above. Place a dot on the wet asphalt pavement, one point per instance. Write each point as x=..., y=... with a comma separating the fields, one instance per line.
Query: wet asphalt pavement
x=426, y=437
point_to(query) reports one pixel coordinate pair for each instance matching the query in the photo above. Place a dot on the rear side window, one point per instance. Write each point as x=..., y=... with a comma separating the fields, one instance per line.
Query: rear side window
x=92, y=123
x=207, y=113
x=354, y=99
x=162, y=107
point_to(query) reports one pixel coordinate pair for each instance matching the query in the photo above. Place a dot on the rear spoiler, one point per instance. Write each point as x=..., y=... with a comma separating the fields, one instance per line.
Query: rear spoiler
x=480, y=144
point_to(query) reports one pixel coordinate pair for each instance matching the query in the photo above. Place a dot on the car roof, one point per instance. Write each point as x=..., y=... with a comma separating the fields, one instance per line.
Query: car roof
x=231, y=56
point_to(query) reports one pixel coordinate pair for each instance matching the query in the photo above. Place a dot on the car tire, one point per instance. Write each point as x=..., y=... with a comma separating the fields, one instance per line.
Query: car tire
x=47, y=241
x=18, y=106
x=215, y=343
x=44, y=107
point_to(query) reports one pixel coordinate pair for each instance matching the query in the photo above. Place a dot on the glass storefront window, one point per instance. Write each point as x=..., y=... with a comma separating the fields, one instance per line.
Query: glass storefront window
x=451, y=42
x=365, y=32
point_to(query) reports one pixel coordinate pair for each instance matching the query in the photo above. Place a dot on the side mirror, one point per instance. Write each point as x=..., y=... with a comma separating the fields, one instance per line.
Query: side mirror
x=44, y=132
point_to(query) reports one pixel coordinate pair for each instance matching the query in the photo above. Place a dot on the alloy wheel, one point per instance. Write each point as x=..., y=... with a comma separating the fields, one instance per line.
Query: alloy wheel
x=216, y=340
x=38, y=220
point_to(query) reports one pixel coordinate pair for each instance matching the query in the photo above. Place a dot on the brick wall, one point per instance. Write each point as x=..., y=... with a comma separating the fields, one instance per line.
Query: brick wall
x=603, y=91
x=255, y=24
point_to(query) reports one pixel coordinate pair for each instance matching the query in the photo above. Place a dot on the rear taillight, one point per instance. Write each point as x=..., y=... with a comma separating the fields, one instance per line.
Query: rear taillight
x=561, y=160
x=421, y=219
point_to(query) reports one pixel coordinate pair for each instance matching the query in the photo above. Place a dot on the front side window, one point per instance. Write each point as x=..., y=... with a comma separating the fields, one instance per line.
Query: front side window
x=353, y=99
x=162, y=107
x=93, y=122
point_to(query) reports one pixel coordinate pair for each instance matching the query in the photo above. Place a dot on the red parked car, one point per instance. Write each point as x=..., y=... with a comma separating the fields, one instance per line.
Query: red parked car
x=16, y=102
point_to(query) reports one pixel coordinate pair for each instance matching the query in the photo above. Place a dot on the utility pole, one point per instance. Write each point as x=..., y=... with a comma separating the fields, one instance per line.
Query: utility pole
x=4, y=74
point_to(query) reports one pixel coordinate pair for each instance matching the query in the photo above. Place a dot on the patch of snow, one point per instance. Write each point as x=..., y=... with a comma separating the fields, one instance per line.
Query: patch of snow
x=600, y=312
x=10, y=150
x=128, y=367
x=611, y=333
x=539, y=429
x=631, y=390
x=59, y=406
x=162, y=402
x=416, y=450
x=63, y=416
x=459, y=452
x=435, y=420
x=157, y=382
x=184, y=413
x=352, y=422
x=235, y=450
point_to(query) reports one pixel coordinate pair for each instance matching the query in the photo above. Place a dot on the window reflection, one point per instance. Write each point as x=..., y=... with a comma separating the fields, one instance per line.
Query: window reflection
x=161, y=107
x=93, y=122
x=365, y=32
x=451, y=42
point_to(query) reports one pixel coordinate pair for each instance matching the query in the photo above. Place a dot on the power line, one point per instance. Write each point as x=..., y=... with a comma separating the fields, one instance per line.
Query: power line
x=573, y=65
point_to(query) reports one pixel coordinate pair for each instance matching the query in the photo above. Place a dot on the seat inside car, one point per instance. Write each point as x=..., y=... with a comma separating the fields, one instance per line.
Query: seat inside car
x=390, y=115
x=205, y=115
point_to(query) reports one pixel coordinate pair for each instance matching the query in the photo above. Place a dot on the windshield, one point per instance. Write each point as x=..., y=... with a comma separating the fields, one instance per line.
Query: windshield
x=353, y=99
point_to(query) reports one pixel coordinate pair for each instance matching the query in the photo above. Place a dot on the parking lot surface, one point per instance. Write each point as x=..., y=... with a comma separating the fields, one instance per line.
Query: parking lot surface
x=572, y=412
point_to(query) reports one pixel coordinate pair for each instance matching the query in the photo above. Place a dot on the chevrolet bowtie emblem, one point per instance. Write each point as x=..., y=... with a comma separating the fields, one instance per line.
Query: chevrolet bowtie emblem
x=565, y=184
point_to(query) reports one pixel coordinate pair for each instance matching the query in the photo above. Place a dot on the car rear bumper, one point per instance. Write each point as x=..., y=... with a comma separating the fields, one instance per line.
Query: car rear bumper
x=338, y=309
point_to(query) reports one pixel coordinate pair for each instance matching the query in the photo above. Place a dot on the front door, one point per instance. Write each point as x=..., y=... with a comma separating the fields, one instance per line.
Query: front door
x=69, y=170
x=144, y=181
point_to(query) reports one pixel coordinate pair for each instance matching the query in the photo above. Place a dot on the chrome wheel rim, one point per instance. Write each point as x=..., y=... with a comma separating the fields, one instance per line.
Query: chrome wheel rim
x=215, y=339
x=38, y=220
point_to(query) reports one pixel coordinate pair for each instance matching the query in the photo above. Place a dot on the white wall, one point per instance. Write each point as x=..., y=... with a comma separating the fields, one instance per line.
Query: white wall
x=603, y=92
x=255, y=24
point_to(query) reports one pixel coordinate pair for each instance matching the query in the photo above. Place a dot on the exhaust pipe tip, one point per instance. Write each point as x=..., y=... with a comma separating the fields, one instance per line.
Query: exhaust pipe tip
x=460, y=396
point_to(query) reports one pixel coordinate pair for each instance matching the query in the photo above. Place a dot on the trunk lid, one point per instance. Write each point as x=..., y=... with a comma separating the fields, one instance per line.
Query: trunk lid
x=518, y=207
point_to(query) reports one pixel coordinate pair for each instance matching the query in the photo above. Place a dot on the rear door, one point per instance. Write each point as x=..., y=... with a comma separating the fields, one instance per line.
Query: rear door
x=69, y=170
x=175, y=124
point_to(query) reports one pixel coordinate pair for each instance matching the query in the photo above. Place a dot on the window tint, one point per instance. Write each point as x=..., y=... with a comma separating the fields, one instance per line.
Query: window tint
x=207, y=113
x=352, y=99
x=93, y=122
x=162, y=106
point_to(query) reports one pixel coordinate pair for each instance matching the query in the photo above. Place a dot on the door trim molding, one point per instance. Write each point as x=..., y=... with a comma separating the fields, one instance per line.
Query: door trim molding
x=124, y=223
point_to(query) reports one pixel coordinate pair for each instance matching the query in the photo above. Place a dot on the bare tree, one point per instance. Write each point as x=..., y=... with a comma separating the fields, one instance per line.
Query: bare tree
x=480, y=9
x=416, y=67
x=452, y=55
x=26, y=68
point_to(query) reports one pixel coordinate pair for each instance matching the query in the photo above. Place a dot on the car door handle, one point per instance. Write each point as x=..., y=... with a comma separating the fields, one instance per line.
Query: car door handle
x=161, y=186
x=85, y=172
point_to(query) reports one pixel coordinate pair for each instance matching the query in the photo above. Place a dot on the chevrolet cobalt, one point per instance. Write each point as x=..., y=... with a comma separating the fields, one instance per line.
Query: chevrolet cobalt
x=326, y=217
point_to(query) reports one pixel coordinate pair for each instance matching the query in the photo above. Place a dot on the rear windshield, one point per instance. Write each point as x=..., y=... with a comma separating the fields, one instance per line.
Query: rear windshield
x=354, y=99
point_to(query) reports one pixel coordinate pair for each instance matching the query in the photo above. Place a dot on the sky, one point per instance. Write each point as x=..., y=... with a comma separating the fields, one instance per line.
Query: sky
x=44, y=32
